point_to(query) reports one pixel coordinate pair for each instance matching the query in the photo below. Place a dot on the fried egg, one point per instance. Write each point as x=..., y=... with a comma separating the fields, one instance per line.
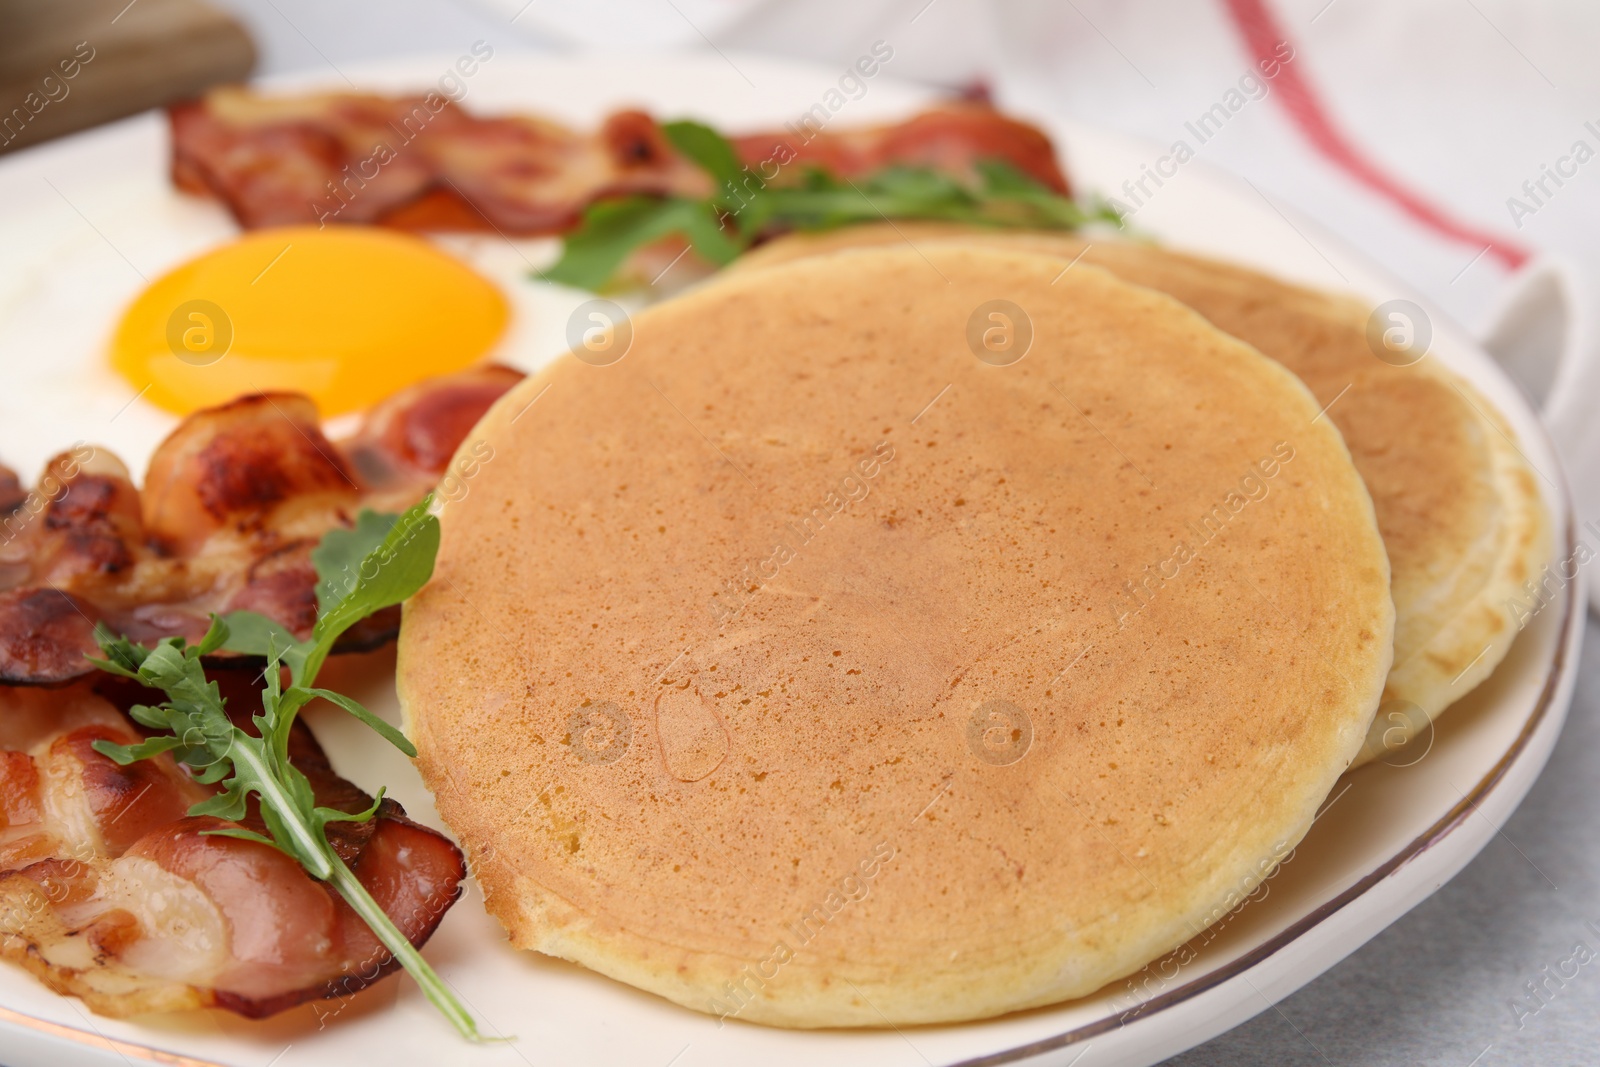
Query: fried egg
x=99, y=347
x=347, y=315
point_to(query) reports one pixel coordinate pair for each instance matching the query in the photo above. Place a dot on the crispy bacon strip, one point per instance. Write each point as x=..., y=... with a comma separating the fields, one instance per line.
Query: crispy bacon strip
x=424, y=163
x=410, y=438
x=110, y=892
x=234, y=501
x=950, y=138
x=411, y=162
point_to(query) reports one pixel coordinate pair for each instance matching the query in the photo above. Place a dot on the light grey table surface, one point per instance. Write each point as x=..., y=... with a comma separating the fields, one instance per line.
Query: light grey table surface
x=1440, y=985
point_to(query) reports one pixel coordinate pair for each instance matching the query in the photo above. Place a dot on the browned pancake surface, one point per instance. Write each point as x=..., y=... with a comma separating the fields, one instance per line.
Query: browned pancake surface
x=788, y=667
x=1458, y=505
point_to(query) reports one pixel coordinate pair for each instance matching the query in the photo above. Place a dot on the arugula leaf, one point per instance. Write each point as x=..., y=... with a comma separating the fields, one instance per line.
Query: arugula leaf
x=380, y=562
x=727, y=222
x=251, y=634
x=383, y=729
x=612, y=229
x=1000, y=176
x=340, y=553
x=706, y=149
x=388, y=572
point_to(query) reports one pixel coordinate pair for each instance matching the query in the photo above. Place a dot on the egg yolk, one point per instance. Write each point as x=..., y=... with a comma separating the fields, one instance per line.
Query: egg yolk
x=346, y=315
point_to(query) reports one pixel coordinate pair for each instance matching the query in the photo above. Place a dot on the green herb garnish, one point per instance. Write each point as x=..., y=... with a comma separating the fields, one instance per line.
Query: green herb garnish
x=361, y=571
x=745, y=207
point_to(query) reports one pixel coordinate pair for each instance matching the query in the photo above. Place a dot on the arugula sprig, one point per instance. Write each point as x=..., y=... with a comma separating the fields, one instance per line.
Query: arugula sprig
x=380, y=562
x=744, y=207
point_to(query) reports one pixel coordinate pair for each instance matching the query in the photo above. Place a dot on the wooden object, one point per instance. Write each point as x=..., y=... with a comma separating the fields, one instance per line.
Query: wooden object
x=69, y=64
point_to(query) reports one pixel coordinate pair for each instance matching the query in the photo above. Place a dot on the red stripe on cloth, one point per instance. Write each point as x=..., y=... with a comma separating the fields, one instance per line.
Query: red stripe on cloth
x=1264, y=36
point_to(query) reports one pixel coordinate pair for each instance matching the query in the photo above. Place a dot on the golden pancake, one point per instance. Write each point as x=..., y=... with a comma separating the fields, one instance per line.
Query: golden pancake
x=859, y=651
x=1458, y=505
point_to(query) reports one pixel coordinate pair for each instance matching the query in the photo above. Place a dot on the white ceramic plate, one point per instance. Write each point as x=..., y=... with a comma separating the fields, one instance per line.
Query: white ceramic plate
x=84, y=217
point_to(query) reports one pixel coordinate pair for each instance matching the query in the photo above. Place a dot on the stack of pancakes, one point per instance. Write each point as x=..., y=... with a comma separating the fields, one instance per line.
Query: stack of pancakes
x=915, y=631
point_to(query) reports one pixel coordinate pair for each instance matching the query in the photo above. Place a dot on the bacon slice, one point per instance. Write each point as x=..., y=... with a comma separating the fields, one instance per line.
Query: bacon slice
x=230, y=468
x=949, y=138
x=412, y=162
x=12, y=495
x=424, y=163
x=110, y=892
x=44, y=635
x=234, y=501
x=411, y=438
x=269, y=161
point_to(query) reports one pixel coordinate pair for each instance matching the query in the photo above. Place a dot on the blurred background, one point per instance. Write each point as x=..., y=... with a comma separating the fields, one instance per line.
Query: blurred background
x=1454, y=141
x=1454, y=103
